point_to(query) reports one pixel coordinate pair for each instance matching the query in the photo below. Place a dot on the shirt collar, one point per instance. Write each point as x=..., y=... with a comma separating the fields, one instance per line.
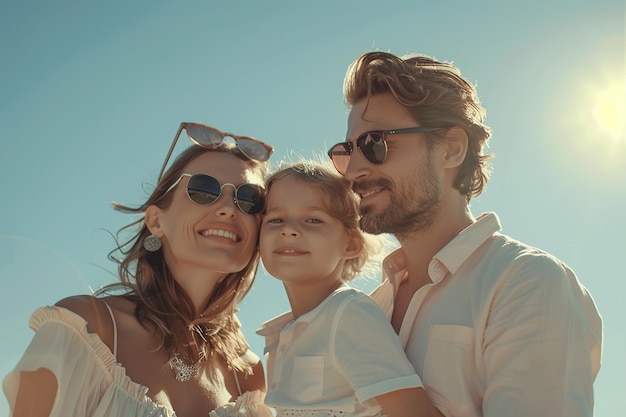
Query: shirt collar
x=275, y=325
x=450, y=257
x=271, y=330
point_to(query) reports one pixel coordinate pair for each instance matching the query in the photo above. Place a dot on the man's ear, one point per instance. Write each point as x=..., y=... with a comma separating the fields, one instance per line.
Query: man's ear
x=456, y=143
x=154, y=220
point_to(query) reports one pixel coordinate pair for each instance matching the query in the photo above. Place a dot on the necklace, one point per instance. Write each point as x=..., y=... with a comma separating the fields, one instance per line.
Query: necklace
x=182, y=371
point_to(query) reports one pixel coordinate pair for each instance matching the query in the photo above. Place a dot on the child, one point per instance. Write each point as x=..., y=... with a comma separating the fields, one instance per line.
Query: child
x=335, y=353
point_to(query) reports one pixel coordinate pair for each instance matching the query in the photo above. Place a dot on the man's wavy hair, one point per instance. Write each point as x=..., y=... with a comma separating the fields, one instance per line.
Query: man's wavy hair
x=162, y=304
x=436, y=95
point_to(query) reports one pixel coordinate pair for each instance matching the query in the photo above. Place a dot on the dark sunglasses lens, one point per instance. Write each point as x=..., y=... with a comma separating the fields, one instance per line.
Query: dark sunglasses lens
x=373, y=147
x=203, y=189
x=251, y=199
x=340, y=155
x=203, y=135
x=253, y=149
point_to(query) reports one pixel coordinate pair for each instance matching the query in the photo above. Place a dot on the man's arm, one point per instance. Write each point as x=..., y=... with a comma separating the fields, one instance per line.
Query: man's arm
x=541, y=343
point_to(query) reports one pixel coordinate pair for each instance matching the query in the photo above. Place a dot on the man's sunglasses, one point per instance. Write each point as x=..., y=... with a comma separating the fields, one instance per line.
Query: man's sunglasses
x=373, y=146
x=203, y=189
x=210, y=137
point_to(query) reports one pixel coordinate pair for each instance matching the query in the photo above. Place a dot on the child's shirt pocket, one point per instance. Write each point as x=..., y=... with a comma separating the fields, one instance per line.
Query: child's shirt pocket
x=307, y=383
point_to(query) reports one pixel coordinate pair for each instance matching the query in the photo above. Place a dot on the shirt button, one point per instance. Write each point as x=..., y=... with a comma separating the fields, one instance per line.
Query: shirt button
x=282, y=348
x=273, y=387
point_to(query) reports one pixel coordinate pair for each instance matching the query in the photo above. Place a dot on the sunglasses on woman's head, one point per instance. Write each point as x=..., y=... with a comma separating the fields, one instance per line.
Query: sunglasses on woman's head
x=373, y=146
x=204, y=189
x=210, y=137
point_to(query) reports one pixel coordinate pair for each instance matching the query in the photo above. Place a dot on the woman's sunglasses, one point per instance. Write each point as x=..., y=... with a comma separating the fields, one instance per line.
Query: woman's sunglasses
x=373, y=146
x=203, y=189
x=210, y=137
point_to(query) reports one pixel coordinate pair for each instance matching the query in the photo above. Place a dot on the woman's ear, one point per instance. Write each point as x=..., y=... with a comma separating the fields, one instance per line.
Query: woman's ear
x=455, y=147
x=154, y=220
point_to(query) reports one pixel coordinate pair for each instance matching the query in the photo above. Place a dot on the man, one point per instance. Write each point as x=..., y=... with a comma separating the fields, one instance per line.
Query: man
x=492, y=326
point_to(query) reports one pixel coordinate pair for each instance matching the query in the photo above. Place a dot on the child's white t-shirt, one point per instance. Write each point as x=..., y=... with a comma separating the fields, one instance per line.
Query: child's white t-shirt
x=338, y=356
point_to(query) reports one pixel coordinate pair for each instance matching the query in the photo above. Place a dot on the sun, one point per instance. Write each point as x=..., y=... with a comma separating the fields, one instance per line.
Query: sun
x=609, y=110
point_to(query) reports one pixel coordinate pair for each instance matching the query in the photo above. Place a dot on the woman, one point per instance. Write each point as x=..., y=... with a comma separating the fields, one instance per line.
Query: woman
x=170, y=344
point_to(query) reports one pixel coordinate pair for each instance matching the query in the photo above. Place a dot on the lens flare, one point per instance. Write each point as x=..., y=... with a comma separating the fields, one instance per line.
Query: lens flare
x=609, y=110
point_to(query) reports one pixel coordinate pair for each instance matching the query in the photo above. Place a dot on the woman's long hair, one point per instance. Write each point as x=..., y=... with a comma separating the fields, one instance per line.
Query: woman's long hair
x=162, y=305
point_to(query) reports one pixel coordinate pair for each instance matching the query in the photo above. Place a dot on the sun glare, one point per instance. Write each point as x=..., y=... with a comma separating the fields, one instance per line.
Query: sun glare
x=609, y=110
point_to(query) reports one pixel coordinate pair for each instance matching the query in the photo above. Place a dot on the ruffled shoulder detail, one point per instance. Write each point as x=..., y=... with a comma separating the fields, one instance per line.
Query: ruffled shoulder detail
x=77, y=324
x=55, y=313
x=112, y=370
x=249, y=404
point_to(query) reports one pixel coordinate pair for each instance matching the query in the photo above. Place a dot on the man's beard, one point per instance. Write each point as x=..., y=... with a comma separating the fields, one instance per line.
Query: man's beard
x=412, y=207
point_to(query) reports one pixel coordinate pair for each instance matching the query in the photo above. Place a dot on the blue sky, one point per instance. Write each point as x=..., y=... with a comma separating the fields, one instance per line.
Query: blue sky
x=92, y=94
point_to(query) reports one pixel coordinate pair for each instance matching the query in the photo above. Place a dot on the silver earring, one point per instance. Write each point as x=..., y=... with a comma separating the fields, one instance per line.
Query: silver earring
x=152, y=243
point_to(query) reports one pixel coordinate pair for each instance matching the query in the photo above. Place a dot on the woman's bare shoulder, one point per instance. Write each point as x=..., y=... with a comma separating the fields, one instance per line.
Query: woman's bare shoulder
x=251, y=358
x=85, y=306
x=256, y=381
x=89, y=307
x=95, y=312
